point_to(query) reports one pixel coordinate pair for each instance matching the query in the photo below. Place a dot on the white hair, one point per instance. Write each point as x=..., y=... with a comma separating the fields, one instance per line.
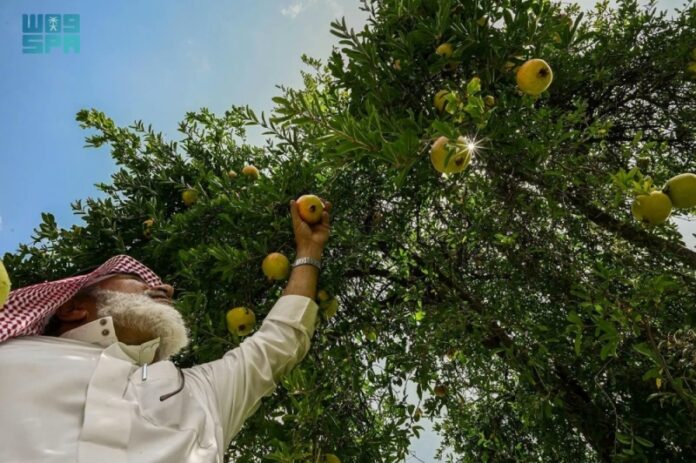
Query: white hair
x=139, y=313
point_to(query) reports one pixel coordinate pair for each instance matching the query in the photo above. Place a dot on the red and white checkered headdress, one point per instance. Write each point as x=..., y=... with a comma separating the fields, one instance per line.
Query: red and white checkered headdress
x=28, y=310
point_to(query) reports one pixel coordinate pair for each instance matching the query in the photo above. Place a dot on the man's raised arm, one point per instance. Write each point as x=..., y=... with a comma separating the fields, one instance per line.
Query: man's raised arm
x=233, y=386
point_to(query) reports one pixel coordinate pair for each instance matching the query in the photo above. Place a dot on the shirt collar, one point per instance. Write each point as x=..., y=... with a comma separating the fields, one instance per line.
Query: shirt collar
x=101, y=332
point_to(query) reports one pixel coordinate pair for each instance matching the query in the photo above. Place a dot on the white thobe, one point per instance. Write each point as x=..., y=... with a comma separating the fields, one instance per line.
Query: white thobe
x=84, y=397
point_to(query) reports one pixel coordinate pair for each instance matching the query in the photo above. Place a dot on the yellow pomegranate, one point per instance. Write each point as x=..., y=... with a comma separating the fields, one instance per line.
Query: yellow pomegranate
x=189, y=196
x=691, y=69
x=458, y=160
x=251, y=171
x=331, y=458
x=445, y=50
x=310, y=208
x=534, y=77
x=276, y=266
x=439, y=100
x=240, y=321
x=681, y=190
x=329, y=308
x=652, y=209
x=5, y=285
x=147, y=227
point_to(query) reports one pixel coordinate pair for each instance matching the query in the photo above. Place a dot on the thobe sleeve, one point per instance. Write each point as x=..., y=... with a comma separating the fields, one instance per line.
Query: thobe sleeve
x=233, y=386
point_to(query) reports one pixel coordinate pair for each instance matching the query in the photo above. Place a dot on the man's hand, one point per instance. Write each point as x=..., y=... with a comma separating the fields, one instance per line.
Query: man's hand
x=310, y=239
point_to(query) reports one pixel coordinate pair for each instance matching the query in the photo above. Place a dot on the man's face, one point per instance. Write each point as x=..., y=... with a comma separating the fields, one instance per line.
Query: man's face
x=133, y=284
x=141, y=312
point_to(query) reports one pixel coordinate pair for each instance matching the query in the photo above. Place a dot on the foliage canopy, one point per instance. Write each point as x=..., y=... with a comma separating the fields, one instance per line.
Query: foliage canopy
x=561, y=328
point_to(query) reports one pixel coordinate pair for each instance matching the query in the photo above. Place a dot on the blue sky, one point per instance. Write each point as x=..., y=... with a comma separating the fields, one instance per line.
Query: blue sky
x=149, y=60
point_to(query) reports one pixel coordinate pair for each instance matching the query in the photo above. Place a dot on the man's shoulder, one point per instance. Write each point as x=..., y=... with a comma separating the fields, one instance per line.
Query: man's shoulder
x=36, y=354
x=39, y=342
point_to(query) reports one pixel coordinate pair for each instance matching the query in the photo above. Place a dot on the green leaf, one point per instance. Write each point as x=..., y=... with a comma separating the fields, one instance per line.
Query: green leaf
x=646, y=350
x=643, y=442
x=573, y=317
x=507, y=14
x=577, y=345
x=608, y=349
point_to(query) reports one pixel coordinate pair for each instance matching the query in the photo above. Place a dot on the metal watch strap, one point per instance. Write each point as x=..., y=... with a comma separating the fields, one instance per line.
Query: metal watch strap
x=307, y=260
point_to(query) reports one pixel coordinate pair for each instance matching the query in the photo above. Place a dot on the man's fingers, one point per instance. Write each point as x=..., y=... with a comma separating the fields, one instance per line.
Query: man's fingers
x=297, y=220
x=294, y=213
x=325, y=219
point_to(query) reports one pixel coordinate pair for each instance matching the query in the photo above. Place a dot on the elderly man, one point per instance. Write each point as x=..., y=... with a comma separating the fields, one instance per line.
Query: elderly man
x=86, y=376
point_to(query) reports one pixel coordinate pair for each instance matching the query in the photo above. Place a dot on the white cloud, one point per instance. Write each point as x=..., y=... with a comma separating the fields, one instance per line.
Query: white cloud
x=293, y=10
x=298, y=7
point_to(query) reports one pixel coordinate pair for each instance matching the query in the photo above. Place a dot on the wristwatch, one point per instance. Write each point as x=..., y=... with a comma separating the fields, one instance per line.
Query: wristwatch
x=305, y=261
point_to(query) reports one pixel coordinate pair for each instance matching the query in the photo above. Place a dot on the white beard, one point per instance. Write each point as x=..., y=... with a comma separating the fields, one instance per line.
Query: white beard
x=139, y=313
